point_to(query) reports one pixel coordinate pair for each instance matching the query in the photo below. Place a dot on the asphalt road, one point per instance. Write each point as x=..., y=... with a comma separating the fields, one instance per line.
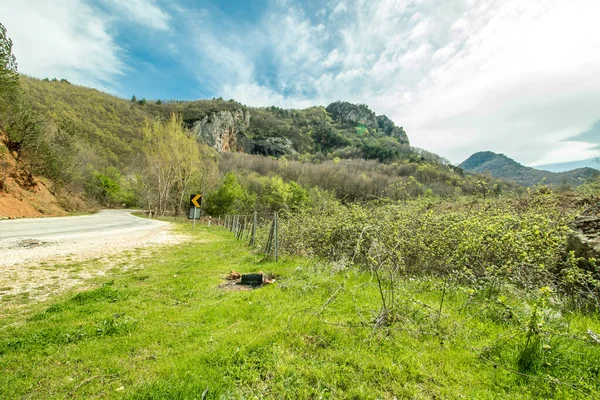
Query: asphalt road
x=33, y=240
x=102, y=224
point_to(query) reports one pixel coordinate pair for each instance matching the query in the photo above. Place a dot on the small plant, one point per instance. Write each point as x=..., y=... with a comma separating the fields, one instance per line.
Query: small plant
x=530, y=355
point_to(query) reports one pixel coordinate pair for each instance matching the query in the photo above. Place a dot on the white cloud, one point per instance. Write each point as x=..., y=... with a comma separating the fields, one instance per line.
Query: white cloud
x=512, y=76
x=143, y=12
x=420, y=29
x=340, y=8
x=261, y=96
x=444, y=53
x=519, y=85
x=504, y=75
x=332, y=59
x=569, y=151
x=62, y=39
x=460, y=25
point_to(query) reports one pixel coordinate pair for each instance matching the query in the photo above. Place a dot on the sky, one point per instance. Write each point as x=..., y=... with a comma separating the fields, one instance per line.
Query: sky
x=511, y=76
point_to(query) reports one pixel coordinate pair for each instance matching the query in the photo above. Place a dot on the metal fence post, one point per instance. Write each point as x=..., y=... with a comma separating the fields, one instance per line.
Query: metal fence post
x=276, y=237
x=253, y=237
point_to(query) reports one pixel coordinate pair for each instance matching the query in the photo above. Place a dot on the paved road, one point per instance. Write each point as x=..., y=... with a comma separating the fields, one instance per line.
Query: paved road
x=104, y=223
x=109, y=231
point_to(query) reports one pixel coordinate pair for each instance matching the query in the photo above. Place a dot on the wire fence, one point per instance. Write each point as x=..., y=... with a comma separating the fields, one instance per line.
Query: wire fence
x=261, y=230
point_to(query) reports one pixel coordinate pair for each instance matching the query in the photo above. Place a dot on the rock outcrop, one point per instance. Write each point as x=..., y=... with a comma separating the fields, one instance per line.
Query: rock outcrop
x=220, y=129
x=361, y=114
x=584, y=239
x=390, y=129
x=352, y=114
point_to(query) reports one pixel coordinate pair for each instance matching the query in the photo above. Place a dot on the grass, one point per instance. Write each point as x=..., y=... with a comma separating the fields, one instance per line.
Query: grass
x=164, y=329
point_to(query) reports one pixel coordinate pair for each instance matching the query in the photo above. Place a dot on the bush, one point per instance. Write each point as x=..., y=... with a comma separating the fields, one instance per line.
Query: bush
x=229, y=198
x=518, y=241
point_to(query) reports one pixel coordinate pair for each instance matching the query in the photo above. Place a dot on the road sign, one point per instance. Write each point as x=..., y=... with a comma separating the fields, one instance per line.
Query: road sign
x=194, y=213
x=196, y=200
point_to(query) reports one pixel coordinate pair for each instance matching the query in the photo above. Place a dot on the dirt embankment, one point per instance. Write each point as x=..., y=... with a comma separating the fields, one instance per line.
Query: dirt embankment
x=23, y=195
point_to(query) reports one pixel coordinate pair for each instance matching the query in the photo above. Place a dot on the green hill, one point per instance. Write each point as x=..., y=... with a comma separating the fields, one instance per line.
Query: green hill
x=95, y=146
x=113, y=124
x=503, y=167
x=106, y=127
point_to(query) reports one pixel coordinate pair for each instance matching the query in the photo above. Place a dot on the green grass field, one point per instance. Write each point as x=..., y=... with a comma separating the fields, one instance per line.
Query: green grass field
x=164, y=329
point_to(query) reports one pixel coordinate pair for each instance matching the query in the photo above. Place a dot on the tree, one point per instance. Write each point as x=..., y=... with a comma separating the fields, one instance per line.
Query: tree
x=133, y=99
x=172, y=163
x=230, y=197
x=9, y=77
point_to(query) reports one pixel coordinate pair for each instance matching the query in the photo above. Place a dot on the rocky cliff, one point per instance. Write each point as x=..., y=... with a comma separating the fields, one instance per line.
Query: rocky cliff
x=352, y=114
x=362, y=115
x=220, y=129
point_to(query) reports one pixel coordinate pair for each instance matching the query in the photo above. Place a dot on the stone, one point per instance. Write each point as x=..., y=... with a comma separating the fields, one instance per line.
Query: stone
x=220, y=129
x=584, y=237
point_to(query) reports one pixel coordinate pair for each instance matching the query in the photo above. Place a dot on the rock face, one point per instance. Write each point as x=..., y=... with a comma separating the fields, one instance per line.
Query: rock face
x=390, y=129
x=220, y=129
x=352, y=113
x=584, y=239
x=360, y=114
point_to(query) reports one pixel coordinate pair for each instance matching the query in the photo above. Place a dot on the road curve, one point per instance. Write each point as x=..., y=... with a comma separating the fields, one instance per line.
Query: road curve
x=103, y=223
x=108, y=231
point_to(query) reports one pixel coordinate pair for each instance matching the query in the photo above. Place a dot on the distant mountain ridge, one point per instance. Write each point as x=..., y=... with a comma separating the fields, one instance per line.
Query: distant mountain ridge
x=568, y=166
x=503, y=167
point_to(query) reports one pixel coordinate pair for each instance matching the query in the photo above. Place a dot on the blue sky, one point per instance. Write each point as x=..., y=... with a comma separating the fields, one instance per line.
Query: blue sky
x=511, y=76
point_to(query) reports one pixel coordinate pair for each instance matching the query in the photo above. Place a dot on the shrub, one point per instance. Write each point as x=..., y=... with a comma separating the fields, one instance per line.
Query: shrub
x=483, y=242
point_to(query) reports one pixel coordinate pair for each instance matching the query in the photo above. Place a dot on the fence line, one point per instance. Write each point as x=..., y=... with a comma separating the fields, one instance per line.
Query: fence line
x=250, y=227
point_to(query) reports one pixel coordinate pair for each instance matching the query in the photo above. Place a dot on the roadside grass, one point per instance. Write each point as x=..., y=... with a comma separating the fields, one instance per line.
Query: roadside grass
x=165, y=329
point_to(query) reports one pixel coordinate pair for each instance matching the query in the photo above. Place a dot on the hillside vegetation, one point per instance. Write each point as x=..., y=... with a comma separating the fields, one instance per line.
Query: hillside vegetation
x=105, y=149
x=502, y=167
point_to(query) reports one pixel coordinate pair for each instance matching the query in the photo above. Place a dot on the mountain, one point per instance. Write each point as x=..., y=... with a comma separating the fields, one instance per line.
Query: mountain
x=567, y=166
x=112, y=124
x=503, y=167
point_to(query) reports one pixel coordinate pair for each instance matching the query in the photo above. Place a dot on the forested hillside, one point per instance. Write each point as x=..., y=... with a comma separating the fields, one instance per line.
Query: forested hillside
x=503, y=167
x=107, y=129
x=106, y=145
